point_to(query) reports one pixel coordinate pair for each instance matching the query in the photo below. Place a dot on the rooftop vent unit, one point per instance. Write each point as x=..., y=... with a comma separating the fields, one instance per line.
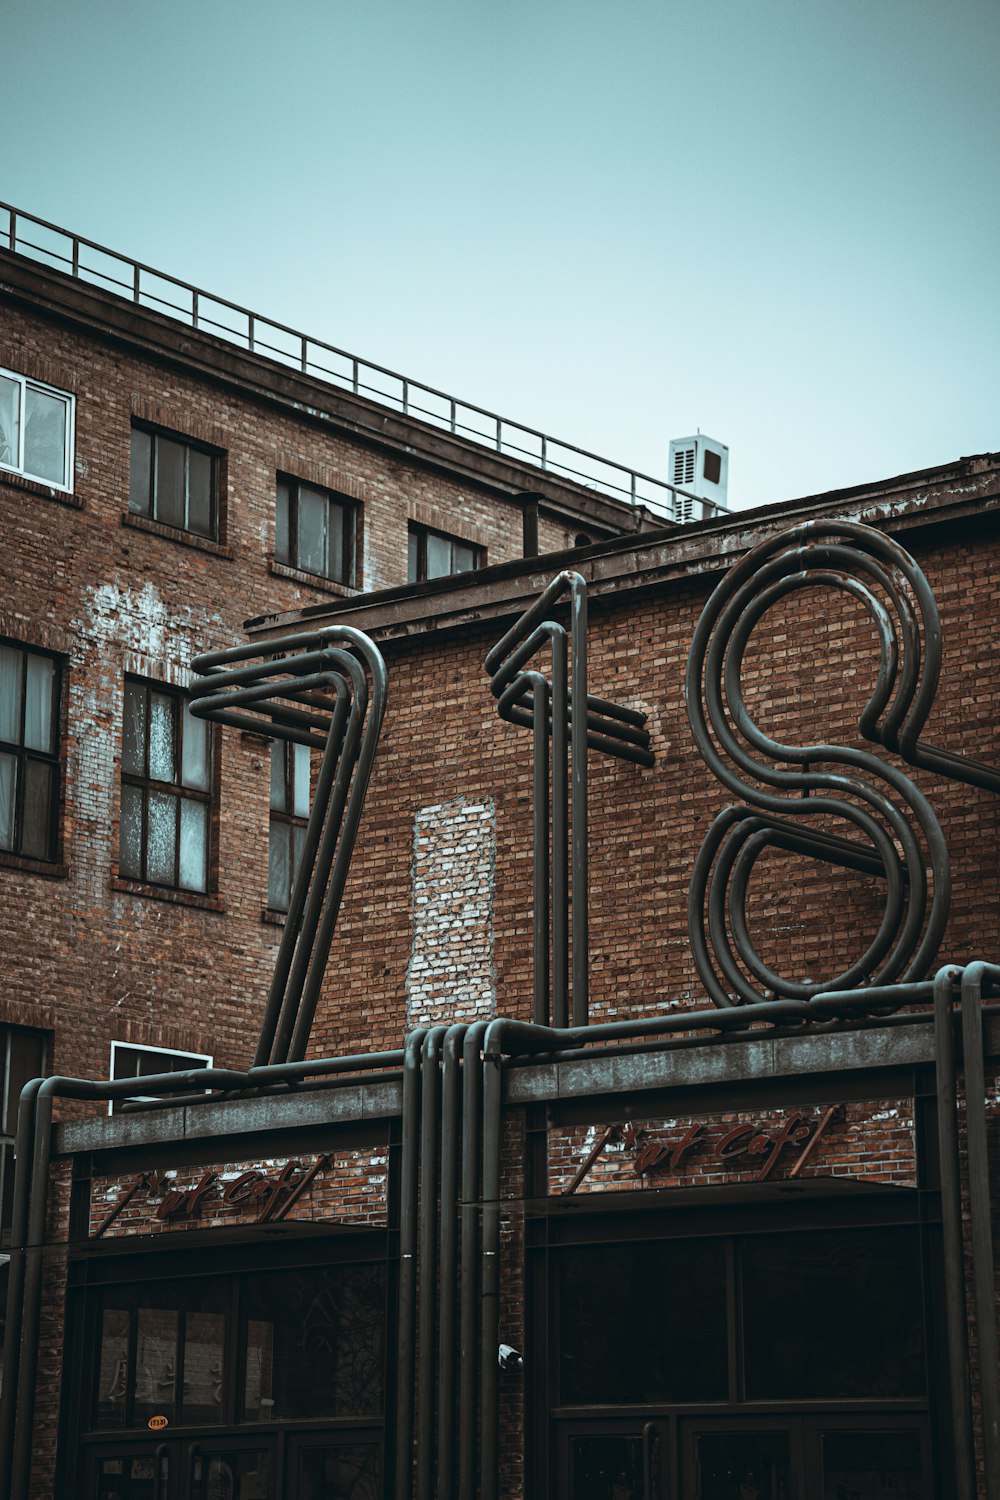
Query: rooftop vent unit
x=700, y=467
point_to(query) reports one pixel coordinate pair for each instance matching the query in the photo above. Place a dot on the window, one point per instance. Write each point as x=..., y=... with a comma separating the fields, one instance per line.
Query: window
x=29, y=752
x=262, y=1346
x=314, y=531
x=22, y=1057
x=36, y=430
x=166, y=790
x=712, y=467
x=174, y=482
x=432, y=554
x=289, y=815
x=132, y=1060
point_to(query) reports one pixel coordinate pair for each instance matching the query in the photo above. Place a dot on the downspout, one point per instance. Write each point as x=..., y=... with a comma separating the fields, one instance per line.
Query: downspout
x=447, y=1345
x=472, y=1080
x=430, y=1101
x=407, y=1264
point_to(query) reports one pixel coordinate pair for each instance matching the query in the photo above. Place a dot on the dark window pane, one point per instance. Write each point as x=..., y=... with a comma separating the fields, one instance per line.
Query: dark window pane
x=39, y=730
x=134, y=730
x=161, y=838
x=464, y=558
x=312, y=516
x=155, y=1377
x=195, y=769
x=204, y=1348
x=281, y=523
x=736, y=1464
x=162, y=737
x=606, y=1468
x=438, y=556
x=412, y=557
x=200, y=493
x=319, y=1340
x=347, y=1471
x=712, y=468
x=112, y=1379
x=130, y=849
x=8, y=779
x=140, y=472
x=45, y=436
x=335, y=553
x=234, y=1474
x=876, y=1465
x=279, y=793
x=642, y=1323
x=193, y=874
x=170, y=482
x=11, y=667
x=27, y=1060
x=836, y=1314
x=36, y=813
x=278, y=867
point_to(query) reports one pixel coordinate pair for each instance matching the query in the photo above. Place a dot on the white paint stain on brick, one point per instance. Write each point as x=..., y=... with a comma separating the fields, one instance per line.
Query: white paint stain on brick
x=451, y=974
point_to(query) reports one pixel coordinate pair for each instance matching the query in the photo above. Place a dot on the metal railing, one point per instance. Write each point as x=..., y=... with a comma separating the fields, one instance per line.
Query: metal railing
x=85, y=260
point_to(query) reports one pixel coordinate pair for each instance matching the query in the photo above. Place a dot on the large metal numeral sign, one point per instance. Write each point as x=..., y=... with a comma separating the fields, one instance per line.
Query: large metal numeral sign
x=791, y=793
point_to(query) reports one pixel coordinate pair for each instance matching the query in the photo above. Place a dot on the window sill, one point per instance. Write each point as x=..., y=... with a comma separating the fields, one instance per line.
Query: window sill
x=49, y=870
x=273, y=918
x=168, y=893
x=314, y=581
x=172, y=534
x=38, y=487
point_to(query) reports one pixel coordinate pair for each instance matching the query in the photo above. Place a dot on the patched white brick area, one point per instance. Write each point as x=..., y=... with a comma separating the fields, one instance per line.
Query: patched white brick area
x=451, y=975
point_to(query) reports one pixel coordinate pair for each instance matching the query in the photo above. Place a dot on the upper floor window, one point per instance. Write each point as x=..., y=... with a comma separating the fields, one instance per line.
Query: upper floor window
x=174, y=482
x=166, y=789
x=36, y=430
x=133, y=1060
x=23, y=1056
x=29, y=751
x=433, y=554
x=289, y=816
x=314, y=530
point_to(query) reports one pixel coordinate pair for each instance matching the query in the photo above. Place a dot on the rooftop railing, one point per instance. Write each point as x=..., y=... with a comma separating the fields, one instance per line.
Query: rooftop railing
x=85, y=260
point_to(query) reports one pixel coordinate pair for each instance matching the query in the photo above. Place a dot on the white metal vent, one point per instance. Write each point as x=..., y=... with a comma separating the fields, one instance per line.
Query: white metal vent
x=683, y=508
x=684, y=466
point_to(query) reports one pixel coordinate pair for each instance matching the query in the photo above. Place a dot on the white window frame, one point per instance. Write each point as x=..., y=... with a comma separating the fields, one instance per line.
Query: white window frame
x=26, y=384
x=197, y=1059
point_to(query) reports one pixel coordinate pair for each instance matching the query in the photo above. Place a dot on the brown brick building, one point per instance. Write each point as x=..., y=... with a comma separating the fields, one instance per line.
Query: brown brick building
x=736, y=1258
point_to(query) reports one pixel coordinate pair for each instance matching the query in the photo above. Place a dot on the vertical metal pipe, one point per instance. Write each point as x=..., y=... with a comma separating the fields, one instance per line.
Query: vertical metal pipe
x=540, y=736
x=951, y=1233
x=472, y=1080
x=448, y=1261
x=27, y=1375
x=23, y=1156
x=560, y=830
x=405, y=1344
x=578, y=757
x=980, y=1229
x=306, y=893
x=490, y=1291
x=430, y=1098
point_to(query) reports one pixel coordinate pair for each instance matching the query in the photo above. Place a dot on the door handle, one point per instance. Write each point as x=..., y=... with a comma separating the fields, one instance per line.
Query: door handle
x=162, y=1460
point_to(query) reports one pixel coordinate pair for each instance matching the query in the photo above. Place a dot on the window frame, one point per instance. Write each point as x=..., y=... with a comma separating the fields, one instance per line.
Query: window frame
x=28, y=383
x=147, y=784
x=289, y=555
x=23, y=753
x=417, y=532
x=8, y=1112
x=196, y=1059
x=190, y=445
x=285, y=816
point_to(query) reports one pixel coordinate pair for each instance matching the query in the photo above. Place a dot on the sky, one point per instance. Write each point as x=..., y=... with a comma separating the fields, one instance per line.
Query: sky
x=776, y=221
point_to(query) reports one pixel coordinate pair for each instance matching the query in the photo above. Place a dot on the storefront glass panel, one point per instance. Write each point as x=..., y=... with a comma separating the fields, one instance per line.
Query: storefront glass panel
x=873, y=1466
